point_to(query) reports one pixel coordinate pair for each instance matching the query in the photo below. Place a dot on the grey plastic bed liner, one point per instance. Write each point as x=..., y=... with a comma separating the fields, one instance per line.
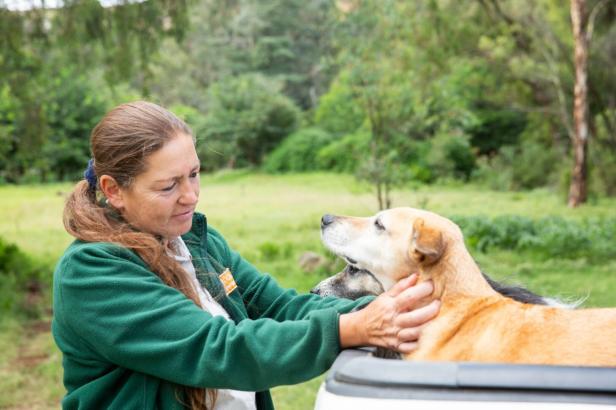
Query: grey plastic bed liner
x=356, y=373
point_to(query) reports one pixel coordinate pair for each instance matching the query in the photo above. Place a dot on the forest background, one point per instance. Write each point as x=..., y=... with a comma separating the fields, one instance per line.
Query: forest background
x=419, y=100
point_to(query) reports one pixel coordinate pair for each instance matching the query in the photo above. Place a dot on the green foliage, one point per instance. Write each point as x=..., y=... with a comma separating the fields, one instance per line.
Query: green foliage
x=249, y=117
x=8, y=116
x=21, y=279
x=496, y=128
x=123, y=38
x=602, y=154
x=451, y=156
x=51, y=61
x=298, y=152
x=345, y=154
x=407, y=74
x=549, y=237
x=48, y=139
x=72, y=110
x=338, y=111
x=286, y=40
x=213, y=153
x=528, y=166
x=23, y=129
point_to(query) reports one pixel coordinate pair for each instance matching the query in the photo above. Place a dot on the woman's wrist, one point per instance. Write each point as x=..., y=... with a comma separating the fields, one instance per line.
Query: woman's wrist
x=350, y=330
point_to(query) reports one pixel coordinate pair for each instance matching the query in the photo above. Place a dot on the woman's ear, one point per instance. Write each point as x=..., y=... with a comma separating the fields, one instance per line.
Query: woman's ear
x=112, y=191
x=427, y=244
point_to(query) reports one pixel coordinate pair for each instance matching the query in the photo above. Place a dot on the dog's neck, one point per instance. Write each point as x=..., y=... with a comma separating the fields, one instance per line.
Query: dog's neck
x=456, y=273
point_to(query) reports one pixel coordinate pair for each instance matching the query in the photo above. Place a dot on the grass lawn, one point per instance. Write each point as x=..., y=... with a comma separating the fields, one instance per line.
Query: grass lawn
x=272, y=221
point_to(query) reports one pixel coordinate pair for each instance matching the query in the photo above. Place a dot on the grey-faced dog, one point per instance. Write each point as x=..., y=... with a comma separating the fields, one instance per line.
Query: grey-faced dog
x=354, y=281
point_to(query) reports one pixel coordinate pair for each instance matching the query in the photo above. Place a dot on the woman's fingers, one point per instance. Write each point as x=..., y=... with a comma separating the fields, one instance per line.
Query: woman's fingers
x=407, y=299
x=392, y=319
x=402, y=285
x=407, y=347
x=410, y=334
x=419, y=316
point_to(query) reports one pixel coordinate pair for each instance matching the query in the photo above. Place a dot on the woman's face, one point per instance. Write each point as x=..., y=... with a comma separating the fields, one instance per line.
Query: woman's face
x=162, y=199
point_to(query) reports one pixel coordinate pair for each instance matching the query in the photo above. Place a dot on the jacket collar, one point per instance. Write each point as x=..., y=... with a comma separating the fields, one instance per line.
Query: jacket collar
x=198, y=231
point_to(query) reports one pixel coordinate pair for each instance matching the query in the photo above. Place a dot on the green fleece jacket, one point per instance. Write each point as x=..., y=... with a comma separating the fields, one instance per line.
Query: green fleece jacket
x=128, y=340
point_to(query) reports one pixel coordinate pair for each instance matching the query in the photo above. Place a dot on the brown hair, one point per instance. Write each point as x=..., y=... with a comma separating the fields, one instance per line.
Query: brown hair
x=121, y=144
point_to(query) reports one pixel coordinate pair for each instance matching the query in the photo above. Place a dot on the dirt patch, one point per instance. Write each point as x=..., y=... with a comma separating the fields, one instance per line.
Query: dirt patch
x=39, y=326
x=30, y=361
x=29, y=355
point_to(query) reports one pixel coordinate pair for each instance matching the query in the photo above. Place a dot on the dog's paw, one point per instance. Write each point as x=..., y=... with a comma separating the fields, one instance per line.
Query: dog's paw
x=383, y=353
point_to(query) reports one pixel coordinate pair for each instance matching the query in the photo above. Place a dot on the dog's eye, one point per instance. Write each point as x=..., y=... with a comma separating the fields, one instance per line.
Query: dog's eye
x=379, y=225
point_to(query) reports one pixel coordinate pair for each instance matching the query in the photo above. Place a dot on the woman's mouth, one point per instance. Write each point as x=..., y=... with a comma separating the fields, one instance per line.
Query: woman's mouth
x=184, y=215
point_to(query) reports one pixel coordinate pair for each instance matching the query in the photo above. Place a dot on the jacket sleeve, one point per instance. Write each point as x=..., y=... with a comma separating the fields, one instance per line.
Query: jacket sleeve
x=113, y=304
x=264, y=298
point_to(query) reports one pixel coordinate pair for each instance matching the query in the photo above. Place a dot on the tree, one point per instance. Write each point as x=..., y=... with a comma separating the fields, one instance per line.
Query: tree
x=404, y=70
x=248, y=118
x=578, y=190
x=286, y=40
x=533, y=46
x=80, y=36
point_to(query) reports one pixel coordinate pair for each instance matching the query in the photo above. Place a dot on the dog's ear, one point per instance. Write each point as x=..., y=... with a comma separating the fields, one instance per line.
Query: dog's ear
x=427, y=244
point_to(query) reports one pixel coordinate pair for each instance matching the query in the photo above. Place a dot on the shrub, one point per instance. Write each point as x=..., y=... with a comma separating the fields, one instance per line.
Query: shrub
x=338, y=111
x=248, y=117
x=602, y=155
x=20, y=276
x=213, y=153
x=346, y=153
x=550, y=237
x=72, y=109
x=496, y=127
x=527, y=166
x=298, y=152
x=451, y=156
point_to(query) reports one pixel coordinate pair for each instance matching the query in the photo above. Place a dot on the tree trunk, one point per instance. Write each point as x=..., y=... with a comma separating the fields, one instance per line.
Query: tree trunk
x=578, y=189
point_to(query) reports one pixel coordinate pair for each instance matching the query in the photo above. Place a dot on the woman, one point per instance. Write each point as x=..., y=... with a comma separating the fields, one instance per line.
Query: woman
x=152, y=309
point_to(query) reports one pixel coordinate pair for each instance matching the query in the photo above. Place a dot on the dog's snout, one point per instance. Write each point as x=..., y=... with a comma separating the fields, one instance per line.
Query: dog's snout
x=315, y=291
x=327, y=219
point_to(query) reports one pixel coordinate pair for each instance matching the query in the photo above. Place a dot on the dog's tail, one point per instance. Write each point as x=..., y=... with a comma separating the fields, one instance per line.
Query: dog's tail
x=521, y=294
x=566, y=303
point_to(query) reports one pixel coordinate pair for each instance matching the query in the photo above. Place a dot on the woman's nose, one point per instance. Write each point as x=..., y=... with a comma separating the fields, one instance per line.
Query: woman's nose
x=189, y=194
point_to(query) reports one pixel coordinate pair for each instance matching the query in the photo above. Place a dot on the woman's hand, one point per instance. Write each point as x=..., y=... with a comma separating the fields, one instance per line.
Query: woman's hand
x=393, y=320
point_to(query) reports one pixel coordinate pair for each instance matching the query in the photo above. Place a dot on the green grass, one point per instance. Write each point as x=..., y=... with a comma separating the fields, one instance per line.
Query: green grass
x=272, y=221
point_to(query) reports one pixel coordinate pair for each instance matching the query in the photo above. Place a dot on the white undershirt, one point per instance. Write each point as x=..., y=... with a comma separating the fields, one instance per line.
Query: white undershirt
x=227, y=399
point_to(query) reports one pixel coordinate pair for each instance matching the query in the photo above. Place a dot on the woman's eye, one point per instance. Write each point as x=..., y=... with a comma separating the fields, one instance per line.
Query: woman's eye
x=194, y=174
x=379, y=225
x=169, y=188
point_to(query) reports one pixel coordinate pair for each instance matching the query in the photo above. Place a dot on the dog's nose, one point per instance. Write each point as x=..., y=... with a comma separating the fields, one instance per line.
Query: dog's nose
x=327, y=219
x=315, y=291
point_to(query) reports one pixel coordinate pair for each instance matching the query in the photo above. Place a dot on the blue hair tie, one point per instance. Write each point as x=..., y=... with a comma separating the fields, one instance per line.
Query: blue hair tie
x=90, y=175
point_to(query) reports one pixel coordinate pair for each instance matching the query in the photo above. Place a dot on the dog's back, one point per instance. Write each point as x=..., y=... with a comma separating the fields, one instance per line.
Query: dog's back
x=498, y=329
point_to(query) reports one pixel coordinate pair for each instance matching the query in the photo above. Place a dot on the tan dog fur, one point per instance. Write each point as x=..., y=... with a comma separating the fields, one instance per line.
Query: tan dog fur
x=475, y=323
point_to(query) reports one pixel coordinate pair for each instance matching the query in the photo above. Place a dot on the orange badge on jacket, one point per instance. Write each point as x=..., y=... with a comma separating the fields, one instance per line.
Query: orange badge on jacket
x=227, y=281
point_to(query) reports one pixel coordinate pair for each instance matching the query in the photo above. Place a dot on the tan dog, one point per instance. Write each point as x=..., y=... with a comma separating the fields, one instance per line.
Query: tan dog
x=475, y=322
